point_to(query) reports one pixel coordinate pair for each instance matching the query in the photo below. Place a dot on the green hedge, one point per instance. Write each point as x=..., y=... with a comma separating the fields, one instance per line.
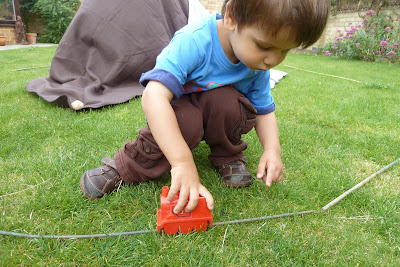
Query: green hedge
x=56, y=14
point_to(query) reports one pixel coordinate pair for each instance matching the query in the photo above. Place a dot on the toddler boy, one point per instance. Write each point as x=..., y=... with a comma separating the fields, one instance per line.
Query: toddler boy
x=211, y=83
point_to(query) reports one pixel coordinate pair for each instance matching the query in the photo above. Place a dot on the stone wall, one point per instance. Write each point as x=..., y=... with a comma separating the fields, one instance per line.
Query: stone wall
x=340, y=21
x=9, y=32
x=213, y=6
x=34, y=25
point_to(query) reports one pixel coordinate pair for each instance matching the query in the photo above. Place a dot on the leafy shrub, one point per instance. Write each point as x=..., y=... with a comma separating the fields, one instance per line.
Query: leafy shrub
x=57, y=15
x=376, y=39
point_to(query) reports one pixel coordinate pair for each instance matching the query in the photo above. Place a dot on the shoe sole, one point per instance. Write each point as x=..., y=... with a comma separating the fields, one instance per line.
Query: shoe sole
x=235, y=185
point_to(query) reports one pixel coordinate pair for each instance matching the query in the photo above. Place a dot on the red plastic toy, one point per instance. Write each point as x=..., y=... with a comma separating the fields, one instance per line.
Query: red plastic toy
x=185, y=222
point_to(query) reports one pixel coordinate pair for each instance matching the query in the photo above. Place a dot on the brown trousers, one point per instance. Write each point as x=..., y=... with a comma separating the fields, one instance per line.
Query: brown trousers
x=219, y=116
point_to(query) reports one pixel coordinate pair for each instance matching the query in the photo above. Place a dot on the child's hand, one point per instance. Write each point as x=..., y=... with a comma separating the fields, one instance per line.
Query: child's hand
x=186, y=180
x=271, y=164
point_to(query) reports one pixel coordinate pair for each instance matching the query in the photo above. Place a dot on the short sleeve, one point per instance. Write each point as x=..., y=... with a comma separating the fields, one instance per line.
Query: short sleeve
x=176, y=62
x=260, y=94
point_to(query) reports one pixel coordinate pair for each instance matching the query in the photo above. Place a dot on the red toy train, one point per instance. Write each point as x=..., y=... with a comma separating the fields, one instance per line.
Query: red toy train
x=185, y=222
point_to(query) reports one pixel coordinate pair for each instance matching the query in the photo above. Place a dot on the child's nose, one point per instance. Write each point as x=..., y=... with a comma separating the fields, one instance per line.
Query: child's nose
x=272, y=60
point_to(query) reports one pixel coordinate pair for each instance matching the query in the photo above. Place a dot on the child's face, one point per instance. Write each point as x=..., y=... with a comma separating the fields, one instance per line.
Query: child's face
x=257, y=50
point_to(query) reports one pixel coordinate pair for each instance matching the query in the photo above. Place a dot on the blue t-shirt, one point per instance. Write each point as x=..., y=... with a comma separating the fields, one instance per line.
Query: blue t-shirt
x=194, y=61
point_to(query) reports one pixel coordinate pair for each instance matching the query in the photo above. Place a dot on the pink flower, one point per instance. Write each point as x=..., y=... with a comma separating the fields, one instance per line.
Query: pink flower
x=391, y=53
x=350, y=23
x=335, y=43
x=359, y=26
x=372, y=31
x=388, y=29
x=351, y=36
x=383, y=43
x=339, y=31
x=365, y=20
x=335, y=47
x=395, y=44
x=370, y=12
x=327, y=53
x=357, y=44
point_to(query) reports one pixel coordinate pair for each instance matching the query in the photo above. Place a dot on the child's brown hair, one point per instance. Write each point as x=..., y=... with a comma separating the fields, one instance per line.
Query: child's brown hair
x=306, y=19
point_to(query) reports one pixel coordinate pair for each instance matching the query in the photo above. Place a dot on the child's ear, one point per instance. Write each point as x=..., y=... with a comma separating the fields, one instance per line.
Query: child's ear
x=229, y=22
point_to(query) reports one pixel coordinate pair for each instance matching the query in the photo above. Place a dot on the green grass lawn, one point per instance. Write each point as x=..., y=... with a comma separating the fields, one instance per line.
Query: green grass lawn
x=334, y=133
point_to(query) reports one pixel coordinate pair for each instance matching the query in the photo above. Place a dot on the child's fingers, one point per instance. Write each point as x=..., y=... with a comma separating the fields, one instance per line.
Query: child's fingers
x=273, y=175
x=183, y=197
x=268, y=179
x=207, y=195
x=261, y=169
x=172, y=192
x=193, y=200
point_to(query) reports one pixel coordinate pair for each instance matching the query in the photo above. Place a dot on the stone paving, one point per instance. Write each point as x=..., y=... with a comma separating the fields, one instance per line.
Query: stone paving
x=18, y=46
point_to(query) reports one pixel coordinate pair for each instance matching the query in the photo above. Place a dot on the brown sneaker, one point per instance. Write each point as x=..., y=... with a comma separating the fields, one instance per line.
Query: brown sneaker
x=235, y=174
x=102, y=180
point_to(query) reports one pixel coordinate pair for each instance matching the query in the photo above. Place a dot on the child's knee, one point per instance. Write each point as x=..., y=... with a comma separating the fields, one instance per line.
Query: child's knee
x=230, y=112
x=248, y=115
x=236, y=110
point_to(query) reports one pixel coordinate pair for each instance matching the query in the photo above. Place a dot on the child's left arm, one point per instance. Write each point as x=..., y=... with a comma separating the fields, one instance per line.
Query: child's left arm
x=270, y=167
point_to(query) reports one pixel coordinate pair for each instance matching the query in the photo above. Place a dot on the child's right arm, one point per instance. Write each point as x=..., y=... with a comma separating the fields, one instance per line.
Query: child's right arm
x=164, y=127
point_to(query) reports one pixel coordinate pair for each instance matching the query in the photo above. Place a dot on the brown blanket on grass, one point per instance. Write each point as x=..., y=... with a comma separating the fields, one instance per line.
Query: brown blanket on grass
x=106, y=48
